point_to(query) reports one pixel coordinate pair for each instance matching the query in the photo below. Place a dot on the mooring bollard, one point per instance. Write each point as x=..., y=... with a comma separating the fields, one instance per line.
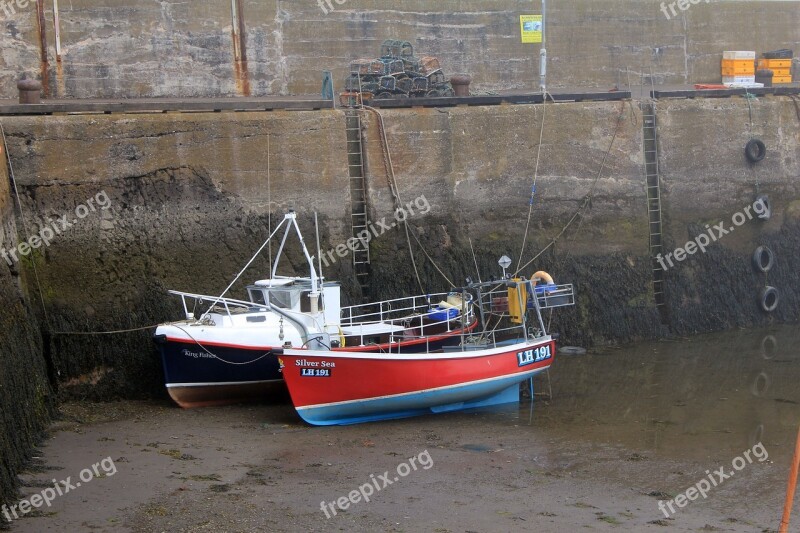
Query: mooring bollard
x=460, y=83
x=30, y=91
x=787, y=508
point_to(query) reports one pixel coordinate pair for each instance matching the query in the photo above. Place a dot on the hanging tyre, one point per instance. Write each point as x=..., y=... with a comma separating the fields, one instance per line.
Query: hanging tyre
x=769, y=299
x=763, y=259
x=763, y=207
x=755, y=150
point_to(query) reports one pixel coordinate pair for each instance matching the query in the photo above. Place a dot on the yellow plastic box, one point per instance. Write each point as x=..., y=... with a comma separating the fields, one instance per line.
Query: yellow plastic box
x=738, y=67
x=774, y=64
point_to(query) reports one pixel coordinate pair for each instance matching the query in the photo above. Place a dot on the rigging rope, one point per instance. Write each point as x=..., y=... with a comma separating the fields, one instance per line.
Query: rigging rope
x=387, y=163
x=535, y=177
x=587, y=199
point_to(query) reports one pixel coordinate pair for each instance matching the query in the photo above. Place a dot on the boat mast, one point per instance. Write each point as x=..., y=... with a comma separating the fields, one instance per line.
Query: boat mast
x=291, y=216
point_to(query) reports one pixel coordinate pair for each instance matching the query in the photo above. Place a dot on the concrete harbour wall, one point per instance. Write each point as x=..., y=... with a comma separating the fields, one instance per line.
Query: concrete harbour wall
x=183, y=49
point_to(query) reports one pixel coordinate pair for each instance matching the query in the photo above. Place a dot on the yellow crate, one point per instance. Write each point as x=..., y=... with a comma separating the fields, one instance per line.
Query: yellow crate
x=781, y=79
x=778, y=72
x=739, y=71
x=774, y=64
x=738, y=62
x=738, y=67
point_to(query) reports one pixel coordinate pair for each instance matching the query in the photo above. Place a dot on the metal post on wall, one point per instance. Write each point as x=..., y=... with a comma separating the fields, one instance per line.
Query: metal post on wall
x=543, y=51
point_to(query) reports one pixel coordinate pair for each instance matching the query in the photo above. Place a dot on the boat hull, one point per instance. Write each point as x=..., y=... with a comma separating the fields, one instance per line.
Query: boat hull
x=335, y=388
x=200, y=376
x=200, y=372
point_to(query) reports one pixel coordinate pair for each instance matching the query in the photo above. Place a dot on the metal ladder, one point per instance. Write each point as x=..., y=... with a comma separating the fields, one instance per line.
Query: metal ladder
x=358, y=196
x=653, y=181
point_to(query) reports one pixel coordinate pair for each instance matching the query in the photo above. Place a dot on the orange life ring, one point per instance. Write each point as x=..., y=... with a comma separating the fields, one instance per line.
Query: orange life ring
x=542, y=276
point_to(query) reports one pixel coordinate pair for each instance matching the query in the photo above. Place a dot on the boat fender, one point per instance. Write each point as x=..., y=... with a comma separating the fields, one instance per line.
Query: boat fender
x=755, y=150
x=769, y=299
x=763, y=259
x=542, y=276
x=342, y=341
x=766, y=207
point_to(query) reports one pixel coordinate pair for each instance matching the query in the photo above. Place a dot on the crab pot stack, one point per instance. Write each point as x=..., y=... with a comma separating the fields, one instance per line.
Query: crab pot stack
x=738, y=67
x=398, y=73
x=780, y=63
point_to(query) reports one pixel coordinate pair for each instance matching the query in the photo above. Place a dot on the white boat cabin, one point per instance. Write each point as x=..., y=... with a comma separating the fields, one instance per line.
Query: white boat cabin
x=295, y=295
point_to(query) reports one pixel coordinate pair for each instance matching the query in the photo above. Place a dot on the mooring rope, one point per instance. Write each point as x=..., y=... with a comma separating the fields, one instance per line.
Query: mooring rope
x=535, y=177
x=25, y=227
x=389, y=166
x=113, y=332
x=215, y=356
x=587, y=199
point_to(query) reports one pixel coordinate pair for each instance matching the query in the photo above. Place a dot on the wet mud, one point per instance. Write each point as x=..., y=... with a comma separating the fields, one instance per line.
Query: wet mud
x=609, y=435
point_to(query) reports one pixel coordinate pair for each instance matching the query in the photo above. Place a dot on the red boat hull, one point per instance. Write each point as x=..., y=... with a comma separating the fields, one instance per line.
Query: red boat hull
x=344, y=388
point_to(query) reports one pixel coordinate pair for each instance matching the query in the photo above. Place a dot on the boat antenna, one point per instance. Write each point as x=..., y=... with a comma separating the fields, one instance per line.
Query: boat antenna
x=319, y=252
x=475, y=259
x=269, y=198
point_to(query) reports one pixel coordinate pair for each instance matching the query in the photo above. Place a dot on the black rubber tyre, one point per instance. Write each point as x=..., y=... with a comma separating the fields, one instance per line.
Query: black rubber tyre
x=770, y=298
x=766, y=213
x=755, y=150
x=763, y=259
x=385, y=95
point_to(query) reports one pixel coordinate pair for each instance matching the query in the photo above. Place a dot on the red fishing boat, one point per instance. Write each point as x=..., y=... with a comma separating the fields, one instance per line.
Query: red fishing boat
x=485, y=368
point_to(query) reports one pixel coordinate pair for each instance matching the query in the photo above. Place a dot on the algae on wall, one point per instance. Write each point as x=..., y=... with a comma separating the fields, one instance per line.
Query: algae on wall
x=26, y=399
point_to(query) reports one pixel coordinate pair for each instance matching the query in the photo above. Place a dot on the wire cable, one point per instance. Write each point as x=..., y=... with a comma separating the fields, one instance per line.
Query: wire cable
x=587, y=199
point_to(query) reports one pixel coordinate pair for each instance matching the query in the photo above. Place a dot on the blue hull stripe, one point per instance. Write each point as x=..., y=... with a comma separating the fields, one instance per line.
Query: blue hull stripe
x=483, y=393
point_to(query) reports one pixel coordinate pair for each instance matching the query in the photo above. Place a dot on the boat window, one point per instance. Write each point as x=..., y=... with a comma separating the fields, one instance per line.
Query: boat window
x=285, y=299
x=257, y=296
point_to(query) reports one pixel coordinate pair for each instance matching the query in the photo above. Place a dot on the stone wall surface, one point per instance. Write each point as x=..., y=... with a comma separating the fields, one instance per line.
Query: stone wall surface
x=116, y=49
x=26, y=398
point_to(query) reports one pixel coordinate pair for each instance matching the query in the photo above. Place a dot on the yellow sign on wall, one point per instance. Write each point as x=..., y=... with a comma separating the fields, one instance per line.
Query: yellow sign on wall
x=531, y=28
